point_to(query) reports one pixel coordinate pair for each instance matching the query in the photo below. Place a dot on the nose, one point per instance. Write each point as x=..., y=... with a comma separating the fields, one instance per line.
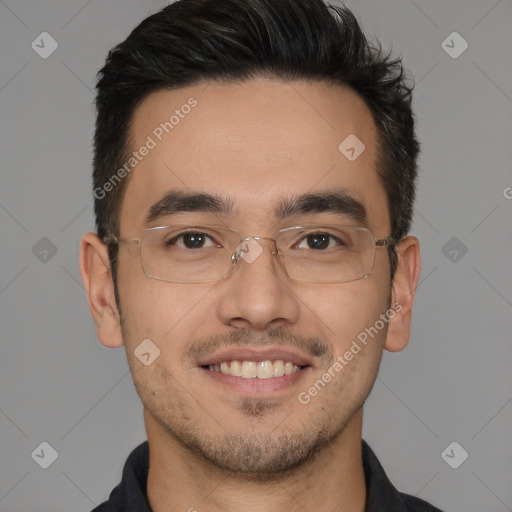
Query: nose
x=257, y=294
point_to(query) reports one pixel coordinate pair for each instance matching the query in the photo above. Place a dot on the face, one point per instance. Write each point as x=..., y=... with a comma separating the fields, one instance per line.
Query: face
x=257, y=146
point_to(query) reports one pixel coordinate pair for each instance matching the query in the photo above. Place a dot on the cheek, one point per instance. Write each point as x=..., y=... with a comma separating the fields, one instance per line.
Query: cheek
x=350, y=317
x=345, y=310
x=166, y=313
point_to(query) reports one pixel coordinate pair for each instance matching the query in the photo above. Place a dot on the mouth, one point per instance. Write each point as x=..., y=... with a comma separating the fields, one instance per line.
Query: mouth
x=266, y=369
x=256, y=372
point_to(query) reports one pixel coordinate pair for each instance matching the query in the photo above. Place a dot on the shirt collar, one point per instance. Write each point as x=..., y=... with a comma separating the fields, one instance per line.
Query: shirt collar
x=380, y=493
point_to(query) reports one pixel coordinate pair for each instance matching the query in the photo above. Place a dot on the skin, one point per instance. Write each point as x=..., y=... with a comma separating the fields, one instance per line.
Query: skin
x=210, y=447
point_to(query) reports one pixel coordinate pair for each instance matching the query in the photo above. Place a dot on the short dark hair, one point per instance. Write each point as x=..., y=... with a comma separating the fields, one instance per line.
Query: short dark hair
x=190, y=41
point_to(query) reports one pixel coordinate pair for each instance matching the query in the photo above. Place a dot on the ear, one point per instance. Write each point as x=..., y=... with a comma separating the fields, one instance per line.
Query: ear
x=403, y=289
x=97, y=278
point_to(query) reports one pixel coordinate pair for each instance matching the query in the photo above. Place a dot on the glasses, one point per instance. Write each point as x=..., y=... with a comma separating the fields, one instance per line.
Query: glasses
x=199, y=254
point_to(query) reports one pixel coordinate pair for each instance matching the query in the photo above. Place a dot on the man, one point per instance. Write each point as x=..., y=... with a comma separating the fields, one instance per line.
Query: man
x=254, y=175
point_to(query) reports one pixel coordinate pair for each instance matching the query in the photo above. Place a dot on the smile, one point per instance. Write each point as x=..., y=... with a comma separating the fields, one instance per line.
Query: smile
x=255, y=369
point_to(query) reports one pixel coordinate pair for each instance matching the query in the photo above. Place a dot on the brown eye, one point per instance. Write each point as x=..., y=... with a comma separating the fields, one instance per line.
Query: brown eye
x=192, y=240
x=319, y=241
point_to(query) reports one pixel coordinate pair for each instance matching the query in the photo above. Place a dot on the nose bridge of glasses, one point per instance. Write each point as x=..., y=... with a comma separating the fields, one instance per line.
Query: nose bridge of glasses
x=257, y=238
x=251, y=247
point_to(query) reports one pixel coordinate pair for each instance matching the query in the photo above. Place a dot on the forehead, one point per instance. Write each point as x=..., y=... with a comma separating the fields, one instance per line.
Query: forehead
x=254, y=143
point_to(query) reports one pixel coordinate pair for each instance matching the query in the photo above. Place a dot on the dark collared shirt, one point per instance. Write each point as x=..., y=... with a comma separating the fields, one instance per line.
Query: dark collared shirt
x=381, y=496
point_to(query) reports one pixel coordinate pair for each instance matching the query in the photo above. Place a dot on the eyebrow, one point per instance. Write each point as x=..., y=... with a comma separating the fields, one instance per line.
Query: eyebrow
x=337, y=202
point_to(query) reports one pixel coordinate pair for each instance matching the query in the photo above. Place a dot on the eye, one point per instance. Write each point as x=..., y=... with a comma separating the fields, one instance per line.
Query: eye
x=192, y=240
x=319, y=241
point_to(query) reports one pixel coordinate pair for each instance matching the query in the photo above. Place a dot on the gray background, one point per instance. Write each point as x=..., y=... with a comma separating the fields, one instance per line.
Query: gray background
x=452, y=383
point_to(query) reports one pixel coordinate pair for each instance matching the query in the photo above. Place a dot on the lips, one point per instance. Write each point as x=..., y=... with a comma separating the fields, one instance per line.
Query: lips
x=256, y=370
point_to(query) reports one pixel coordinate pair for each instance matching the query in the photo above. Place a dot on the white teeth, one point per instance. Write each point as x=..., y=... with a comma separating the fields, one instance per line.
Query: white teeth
x=235, y=368
x=251, y=369
x=265, y=369
x=278, y=368
x=288, y=368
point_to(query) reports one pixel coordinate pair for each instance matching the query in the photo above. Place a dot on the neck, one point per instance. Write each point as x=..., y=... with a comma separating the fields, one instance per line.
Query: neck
x=180, y=480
